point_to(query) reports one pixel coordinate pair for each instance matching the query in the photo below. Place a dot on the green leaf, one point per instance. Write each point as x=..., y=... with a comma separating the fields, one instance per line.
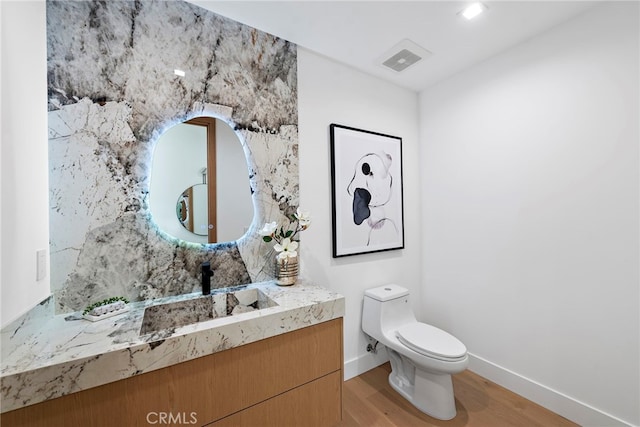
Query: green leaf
x=289, y=233
x=267, y=238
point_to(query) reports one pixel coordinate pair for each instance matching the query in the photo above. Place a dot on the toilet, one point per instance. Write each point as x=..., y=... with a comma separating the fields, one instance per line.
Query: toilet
x=422, y=356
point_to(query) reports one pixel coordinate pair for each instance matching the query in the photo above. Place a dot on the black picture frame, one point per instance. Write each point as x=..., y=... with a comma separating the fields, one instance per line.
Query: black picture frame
x=366, y=191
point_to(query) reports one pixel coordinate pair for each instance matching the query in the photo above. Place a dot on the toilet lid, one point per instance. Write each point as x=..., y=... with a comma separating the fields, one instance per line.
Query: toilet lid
x=431, y=341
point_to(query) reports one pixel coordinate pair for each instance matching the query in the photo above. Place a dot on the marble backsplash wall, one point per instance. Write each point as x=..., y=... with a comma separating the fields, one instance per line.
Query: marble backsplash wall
x=112, y=92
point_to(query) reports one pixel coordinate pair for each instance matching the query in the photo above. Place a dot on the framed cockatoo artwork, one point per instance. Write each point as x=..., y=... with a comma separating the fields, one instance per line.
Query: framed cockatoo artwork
x=366, y=177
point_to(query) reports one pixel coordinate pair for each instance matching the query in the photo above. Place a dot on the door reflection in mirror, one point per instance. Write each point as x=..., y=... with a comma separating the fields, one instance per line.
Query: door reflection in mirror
x=200, y=163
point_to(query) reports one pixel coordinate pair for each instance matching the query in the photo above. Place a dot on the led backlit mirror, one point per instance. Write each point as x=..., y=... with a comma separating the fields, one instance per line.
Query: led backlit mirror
x=199, y=190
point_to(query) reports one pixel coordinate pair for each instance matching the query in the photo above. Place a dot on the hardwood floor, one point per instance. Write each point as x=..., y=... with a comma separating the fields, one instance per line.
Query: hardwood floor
x=369, y=400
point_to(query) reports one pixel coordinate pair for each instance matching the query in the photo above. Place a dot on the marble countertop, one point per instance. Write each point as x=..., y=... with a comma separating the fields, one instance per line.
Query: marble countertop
x=45, y=356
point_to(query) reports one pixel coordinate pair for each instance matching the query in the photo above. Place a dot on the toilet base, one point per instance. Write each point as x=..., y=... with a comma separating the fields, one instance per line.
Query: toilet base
x=430, y=392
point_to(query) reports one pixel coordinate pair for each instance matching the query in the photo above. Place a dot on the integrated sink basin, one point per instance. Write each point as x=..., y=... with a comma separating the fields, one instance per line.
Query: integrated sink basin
x=172, y=315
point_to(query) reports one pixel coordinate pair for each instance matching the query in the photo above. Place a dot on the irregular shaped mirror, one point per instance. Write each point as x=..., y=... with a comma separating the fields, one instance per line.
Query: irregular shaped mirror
x=199, y=189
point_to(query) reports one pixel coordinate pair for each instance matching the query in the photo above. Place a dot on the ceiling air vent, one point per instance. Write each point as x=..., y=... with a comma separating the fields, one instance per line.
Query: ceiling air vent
x=403, y=55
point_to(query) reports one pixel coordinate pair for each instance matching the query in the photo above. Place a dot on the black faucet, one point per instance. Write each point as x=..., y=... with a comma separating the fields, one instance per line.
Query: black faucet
x=207, y=274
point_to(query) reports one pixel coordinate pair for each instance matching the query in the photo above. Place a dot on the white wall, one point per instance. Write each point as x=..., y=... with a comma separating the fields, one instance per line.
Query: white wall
x=25, y=220
x=530, y=215
x=332, y=93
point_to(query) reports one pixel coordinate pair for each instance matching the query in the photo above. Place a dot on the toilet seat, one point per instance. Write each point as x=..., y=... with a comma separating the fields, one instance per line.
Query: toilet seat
x=431, y=342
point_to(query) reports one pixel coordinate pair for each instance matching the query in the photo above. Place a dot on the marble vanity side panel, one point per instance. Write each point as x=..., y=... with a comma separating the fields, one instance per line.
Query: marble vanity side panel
x=112, y=92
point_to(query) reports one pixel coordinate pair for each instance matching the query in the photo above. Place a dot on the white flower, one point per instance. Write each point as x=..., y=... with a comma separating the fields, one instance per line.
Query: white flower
x=303, y=218
x=287, y=248
x=285, y=238
x=268, y=229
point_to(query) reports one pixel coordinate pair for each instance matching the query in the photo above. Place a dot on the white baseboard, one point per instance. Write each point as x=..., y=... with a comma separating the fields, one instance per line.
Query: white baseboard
x=364, y=362
x=553, y=400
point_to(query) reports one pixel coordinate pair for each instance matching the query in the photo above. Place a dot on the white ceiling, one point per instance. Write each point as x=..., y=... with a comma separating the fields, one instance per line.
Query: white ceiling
x=359, y=33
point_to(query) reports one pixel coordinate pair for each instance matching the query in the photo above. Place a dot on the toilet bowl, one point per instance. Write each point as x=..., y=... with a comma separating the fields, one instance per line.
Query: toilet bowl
x=422, y=356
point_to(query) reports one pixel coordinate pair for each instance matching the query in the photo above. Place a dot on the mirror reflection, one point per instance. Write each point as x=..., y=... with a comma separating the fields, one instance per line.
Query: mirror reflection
x=199, y=189
x=192, y=210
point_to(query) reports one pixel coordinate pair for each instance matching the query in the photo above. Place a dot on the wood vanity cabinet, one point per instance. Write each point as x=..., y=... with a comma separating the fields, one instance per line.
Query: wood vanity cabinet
x=293, y=379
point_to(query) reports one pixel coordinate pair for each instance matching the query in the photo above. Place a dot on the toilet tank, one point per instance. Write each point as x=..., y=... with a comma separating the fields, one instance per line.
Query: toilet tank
x=386, y=292
x=385, y=309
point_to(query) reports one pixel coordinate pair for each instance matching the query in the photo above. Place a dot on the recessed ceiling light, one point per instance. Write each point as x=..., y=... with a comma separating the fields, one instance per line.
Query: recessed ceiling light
x=473, y=10
x=179, y=73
